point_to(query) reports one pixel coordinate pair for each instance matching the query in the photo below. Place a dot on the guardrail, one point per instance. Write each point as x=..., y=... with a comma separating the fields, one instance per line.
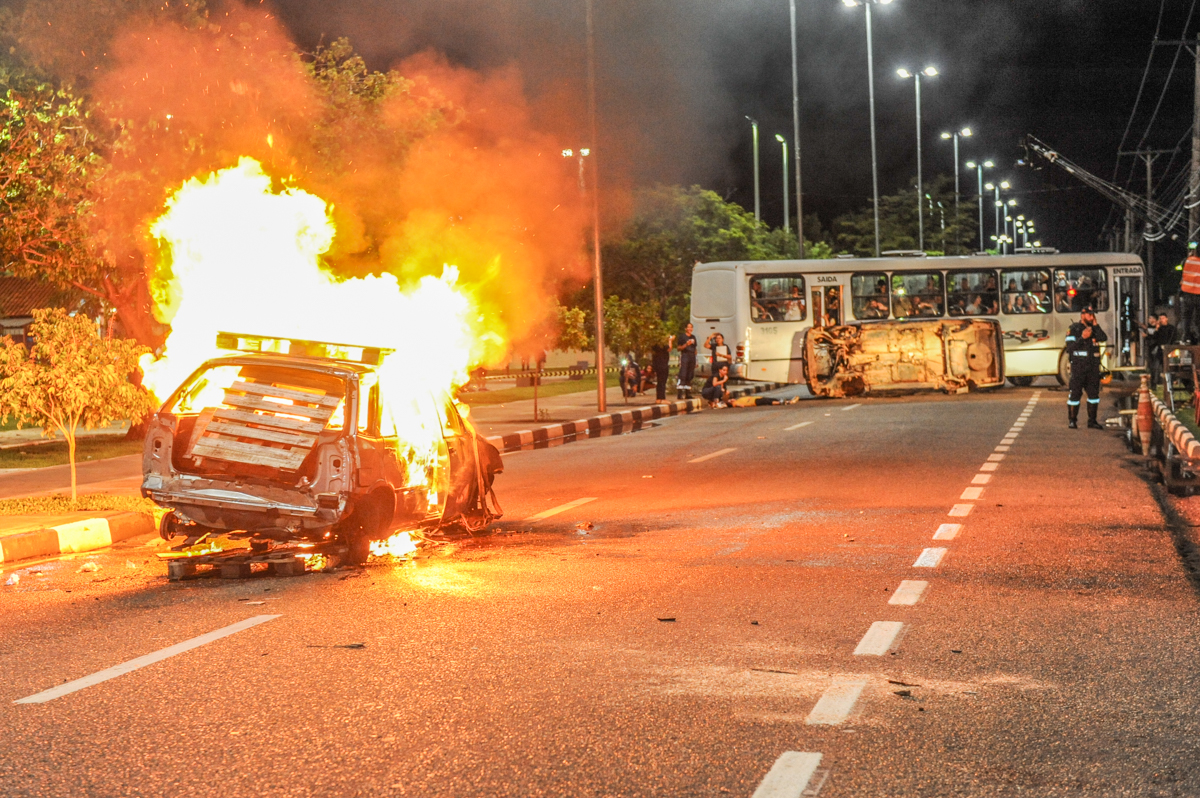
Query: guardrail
x=1166, y=442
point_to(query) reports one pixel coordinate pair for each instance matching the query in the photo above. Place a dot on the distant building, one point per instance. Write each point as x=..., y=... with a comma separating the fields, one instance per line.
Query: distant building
x=20, y=297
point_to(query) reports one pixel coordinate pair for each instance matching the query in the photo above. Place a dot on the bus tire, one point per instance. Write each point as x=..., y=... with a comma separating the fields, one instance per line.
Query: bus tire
x=1021, y=382
x=1064, y=368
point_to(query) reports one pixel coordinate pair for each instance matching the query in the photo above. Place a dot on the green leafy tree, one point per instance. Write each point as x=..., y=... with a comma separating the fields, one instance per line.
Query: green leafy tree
x=632, y=327
x=855, y=232
x=70, y=377
x=571, y=329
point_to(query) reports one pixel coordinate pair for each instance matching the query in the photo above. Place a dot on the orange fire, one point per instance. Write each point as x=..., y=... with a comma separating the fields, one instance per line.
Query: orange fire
x=241, y=255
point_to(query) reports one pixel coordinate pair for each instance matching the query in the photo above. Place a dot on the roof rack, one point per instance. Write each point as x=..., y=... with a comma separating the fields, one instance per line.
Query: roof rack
x=297, y=347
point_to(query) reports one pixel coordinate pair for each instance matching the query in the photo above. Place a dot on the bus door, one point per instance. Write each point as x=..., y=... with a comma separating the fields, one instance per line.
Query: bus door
x=1129, y=314
x=818, y=307
x=827, y=300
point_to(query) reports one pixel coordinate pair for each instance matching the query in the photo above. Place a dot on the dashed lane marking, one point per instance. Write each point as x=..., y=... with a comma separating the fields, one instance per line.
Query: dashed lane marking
x=560, y=509
x=981, y=479
x=947, y=532
x=989, y=466
x=995, y=458
x=909, y=592
x=789, y=776
x=971, y=493
x=850, y=407
x=961, y=510
x=797, y=426
x=879, y=639
x=835, y=704
x=710, y=456
x=141, y=662
x=1003, y=448
x=930, y=558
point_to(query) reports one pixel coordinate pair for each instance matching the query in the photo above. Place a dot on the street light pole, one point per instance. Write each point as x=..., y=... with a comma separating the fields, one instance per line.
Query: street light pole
x=786, y=212
x=757, y=200
x=916, y=76
x=597, y=268
x=796, y=133
x=979, y=167
x=874, y=156
x=999, y=205
x=965, y=132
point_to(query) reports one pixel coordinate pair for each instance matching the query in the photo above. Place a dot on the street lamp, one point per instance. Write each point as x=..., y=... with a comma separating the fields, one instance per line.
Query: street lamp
x=979, y=167
x=786, y=212
x=866, y=4
x=996, y=188
x=597, y=262
x=965, y=133
x=757, y=203
x=796, y=135
x=930, y=72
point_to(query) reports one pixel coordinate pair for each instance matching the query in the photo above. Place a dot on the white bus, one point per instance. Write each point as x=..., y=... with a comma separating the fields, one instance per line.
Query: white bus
x=762, y=308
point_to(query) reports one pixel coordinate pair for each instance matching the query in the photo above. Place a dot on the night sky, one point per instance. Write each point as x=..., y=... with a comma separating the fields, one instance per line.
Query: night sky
x=677, y=78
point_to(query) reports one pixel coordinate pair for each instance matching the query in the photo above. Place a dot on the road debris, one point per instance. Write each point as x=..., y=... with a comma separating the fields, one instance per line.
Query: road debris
x=585, y=525
x=13, y=579
x=667, y=620
x=88, y=568
x=340, y=645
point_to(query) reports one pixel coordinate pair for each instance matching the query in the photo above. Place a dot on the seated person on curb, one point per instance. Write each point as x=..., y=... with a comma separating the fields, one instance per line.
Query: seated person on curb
x=714, y=390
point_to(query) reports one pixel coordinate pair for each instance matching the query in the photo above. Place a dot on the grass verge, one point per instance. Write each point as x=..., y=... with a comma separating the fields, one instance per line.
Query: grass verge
x=87, y=502
x=41, y=455
x=546, y=389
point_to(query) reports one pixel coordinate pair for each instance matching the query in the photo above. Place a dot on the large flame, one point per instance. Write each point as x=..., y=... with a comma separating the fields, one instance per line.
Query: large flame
x=243, y=255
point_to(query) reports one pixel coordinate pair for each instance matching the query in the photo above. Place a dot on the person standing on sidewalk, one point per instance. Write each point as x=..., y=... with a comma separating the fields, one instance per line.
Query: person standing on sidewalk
x=1189, y=298
x=660, y=361
x=687, y=362
x=1083, y=340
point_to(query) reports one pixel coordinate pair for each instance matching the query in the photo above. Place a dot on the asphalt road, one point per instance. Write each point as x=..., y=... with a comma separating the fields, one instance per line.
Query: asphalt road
x=704, y=625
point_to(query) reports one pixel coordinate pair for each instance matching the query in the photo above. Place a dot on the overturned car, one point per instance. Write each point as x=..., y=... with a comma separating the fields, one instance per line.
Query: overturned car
x=296, y=441
x=949, y=355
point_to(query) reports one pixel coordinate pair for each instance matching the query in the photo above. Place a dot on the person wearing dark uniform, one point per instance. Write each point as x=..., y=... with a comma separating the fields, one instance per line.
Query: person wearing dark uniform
x=1083, y=340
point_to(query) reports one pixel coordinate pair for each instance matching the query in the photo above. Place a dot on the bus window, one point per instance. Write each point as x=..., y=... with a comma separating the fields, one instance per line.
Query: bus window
x=917, y=294
x=869, y=295
x=972, y=293
x=1075, y=289
x=1025, y=291
x=777, y=297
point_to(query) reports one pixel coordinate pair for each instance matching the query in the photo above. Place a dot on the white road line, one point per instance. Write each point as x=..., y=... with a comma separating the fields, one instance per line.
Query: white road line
x=797, y=426
x=909, y=592
x=995, y=458
x=879, y=639
x=947, y=532
x=836, y=704
x=989, y=466
x=961, y=510
x=560, y=509
x=717, y=453
x=789, y=776
x=141, y=662
x=850, y=407
x=971, y=494
x=981, y=479
x=930, y=558
x=1014, y=430
x=1002, y=448
x=1018, y=424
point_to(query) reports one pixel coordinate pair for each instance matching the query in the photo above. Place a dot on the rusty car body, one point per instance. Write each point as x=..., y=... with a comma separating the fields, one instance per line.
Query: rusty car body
x=294, y=445
x=952, y=355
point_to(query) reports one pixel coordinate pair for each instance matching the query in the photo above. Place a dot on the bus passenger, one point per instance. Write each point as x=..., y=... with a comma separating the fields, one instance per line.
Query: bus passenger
x=794, y=306
x=757, y=311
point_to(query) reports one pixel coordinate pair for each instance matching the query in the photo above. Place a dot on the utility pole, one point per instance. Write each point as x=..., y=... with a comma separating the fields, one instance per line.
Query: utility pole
x=597, y=266
x=757, y=202
x=1193, y=47
x=1149, y=156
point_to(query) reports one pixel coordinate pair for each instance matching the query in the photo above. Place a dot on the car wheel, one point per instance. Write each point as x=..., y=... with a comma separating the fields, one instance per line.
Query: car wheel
x=1021, y=382
x=1064, y=368
x=356, y=534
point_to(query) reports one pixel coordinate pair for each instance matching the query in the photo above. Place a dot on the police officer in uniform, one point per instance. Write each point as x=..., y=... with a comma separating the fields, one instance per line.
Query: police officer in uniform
x=1083, y=340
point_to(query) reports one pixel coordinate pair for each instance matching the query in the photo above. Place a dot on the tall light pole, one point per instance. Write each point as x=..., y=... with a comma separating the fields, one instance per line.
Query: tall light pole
x=996, y=188
x=866, y=4
x=786, y=212
x=965, y=133
x=979, y=167
x=597, y=270
x=757, y=199
x=796, y=133
x=916, y=76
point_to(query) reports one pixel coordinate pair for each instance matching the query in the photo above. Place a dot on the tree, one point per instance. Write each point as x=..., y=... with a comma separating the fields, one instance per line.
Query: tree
x=69, y=377
x=855, y=232
x=671, y=229
x=571, y=329
x=632, y=326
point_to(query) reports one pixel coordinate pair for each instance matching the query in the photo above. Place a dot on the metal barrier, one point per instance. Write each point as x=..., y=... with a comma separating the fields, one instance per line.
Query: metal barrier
x=1166, y=442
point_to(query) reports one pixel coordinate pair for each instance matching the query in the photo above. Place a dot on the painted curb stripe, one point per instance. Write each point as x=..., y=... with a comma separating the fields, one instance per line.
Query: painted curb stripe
x=141, y=662
x=86, y=535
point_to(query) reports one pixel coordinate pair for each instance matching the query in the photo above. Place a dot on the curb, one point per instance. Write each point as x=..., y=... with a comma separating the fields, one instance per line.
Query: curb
x=513, y=441
x=77, y=536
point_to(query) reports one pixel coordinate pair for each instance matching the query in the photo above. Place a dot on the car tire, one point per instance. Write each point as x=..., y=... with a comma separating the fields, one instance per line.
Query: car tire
x=1021, y=382
x=356, y=534
x=1064, y=368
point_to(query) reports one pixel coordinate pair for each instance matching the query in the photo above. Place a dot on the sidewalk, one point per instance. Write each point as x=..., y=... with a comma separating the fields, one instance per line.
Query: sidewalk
x=13, y=438
x=502, y=419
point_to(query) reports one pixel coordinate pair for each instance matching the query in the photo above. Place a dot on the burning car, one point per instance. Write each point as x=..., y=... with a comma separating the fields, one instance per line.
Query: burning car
x=292, y=440
x=950, y=355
